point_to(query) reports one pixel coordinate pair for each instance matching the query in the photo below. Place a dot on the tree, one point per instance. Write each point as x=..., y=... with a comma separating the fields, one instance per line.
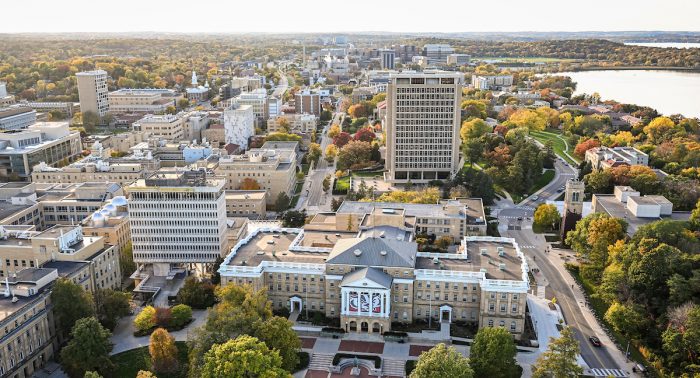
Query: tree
x=662, y=128
x=244, y=356
x=326, y=183
x=342, y=139
x=88, y=349
x=443, y=242
x=428, y=195
x=282, y=137
x=183, y=103
x=249, y=184
x=111, y=305
x=277, y=334
x=354, y=153
x=582, y=147
x=473, y=129
x=473, y=150
x=365, y=134
x=170, y=110
x=293, y=218
x=196, y=294
x=163, y=351
x=547, y=216
x=314, y=153
x=331, y=153
x=145, y=374
x=282, y=202
x=527, y=118
x=92, y=374
x=493, y=354
x=283, y=124
x=334, y=131
x=181, y=315
x=560, y=359
x=70, y=303
x=626, y=319
x=474, y=108
x=442, y=362
x=146, y=319
x=599, y=182
x=591, y=239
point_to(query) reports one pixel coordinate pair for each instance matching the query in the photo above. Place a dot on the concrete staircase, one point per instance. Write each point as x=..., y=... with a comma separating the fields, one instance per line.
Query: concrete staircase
x=394, y=368
x=321, y=361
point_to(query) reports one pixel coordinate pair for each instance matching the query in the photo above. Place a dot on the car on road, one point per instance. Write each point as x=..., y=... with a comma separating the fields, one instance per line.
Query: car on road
x=520, y=218
x=535, y=198
x=595, y=341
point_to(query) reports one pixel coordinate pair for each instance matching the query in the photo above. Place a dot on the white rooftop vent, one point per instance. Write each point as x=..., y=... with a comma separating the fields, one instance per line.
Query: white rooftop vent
x=483, y=251
x=483, y=270
x=383, y=253
x=436, y=260
x=502, y=266
x=501, y=251
x=357, y=252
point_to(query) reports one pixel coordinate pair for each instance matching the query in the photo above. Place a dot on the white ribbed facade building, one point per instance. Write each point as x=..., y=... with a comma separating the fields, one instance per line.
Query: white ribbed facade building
x=422, y=126
x=239, y=124
x=177, y=218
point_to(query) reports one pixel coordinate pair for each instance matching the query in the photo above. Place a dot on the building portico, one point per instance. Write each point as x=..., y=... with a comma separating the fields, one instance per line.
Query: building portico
x=366, y=301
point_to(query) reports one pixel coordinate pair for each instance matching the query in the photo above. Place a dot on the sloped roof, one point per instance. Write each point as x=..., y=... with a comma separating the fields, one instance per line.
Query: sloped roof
x=374, y=252
x=372, y=274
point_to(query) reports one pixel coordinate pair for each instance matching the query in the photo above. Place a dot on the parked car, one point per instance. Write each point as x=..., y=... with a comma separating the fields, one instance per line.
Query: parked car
x=535, y=198
x=595, y=341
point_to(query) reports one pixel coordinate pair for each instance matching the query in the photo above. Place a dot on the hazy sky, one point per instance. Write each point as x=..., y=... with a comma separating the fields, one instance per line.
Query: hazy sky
x=346, y=16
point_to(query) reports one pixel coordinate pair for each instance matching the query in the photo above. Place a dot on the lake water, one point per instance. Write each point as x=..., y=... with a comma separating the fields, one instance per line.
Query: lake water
x=677, y=45
x=669, y=92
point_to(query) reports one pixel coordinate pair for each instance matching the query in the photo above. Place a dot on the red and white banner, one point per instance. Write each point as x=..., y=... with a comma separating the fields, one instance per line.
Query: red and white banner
x=353, y=301
x=376, y=303
x=364, y=302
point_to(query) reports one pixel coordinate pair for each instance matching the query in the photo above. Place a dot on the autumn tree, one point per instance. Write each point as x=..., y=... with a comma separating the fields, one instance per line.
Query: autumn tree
x=365, y=134
x=342, y=139
x=582, y=147
x=441, y=362
x=591, y=239
x=334, y=131
x=244, y=356
x=662, y=128
x=249, y=184
x=163, y=351
x=326, y=183
x=146, y=319
x=560, y=359
x=277, y=333
x=547, y=217
x=474, y=108
x=473, y=129
x=527, y=118
x=314, y=153
x=196, y=294
x=354, y=153
x=331, y=153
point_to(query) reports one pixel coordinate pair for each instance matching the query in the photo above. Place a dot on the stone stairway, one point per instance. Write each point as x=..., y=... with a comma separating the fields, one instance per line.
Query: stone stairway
x=393, y=368
x=320, y=361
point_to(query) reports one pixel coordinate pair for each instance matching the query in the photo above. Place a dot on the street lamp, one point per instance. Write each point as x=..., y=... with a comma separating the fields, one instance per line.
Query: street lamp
x=430, y=311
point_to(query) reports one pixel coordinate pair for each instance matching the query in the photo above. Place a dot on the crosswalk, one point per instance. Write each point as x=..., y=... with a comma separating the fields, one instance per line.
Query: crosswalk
x=321, y=361
x=527, y=247
x=606, y=373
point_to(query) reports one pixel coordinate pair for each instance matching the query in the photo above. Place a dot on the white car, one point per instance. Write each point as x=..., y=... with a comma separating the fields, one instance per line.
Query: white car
x=535, y=198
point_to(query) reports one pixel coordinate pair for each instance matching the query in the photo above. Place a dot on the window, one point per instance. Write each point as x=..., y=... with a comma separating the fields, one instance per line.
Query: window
x=502, y=323
x=503, y=307
x=490, y=322
x=492, y=307
x=512, y=326
x=514, y=307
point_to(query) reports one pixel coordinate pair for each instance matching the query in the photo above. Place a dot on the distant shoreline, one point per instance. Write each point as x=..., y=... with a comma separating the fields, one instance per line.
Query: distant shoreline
x=632, y=68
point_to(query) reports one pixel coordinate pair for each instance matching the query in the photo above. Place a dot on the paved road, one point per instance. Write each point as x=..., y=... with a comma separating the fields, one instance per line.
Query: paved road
x=515, y=221
x=316, y=199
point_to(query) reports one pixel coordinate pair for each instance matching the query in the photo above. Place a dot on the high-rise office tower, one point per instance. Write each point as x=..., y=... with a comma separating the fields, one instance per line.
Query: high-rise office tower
x=388, y=57
x=423, y=121
x=92, y=90
x=177, y=218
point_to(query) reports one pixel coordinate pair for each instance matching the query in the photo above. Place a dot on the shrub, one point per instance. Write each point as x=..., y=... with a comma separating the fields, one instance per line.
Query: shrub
x=303, y=361
x=163, y=317
x=145, y=320
x=181, y=315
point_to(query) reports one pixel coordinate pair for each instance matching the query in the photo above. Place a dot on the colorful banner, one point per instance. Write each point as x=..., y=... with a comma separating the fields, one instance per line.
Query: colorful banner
x=376, y=303
x=353, y=301
x=364, y=302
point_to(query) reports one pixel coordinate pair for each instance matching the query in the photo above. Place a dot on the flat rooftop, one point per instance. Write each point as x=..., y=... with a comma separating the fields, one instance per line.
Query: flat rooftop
x=245, y=194
x=411, y=209
x=324, y=238
x=269, y=246
x=491, y=261
x=617, y=209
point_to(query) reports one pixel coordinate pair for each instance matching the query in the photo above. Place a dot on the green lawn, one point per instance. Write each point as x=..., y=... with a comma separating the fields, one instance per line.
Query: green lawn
x=545, y=179
x=557, y=143
x=127, y=364
x=342, y=185
x=299, y=186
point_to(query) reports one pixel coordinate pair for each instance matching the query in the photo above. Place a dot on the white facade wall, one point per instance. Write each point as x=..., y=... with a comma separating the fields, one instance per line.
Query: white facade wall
x=239, y=125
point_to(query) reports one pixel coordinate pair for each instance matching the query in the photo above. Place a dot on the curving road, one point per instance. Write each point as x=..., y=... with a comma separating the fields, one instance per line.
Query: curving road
x=516, y=221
